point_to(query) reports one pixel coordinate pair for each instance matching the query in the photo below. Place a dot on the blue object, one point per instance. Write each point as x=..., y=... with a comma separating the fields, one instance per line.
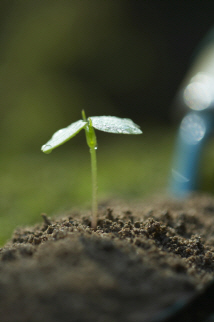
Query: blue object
x=194, y=130
x=196, y=97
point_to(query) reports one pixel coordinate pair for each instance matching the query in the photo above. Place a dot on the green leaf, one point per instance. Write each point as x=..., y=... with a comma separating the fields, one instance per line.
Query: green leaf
x=63, y=135
x=113, y=124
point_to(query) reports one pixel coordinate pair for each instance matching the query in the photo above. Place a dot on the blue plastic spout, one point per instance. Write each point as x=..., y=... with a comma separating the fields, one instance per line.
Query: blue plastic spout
x=194, y=130
x=195, y=100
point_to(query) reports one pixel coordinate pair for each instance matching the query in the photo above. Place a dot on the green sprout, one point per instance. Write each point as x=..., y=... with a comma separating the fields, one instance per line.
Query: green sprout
x=109, y=124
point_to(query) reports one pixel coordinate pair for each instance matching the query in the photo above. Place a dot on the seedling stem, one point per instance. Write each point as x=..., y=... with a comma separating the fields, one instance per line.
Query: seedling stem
x=92, y=143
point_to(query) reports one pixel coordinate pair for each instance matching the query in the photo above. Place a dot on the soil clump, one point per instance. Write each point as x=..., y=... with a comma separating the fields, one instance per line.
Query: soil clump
x=143, y=259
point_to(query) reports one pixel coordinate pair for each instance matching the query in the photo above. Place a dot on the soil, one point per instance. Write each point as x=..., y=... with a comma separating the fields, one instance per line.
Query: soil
x=148, y=261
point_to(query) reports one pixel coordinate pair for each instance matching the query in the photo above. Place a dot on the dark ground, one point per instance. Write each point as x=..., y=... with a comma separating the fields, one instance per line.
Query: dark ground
x=144, y=258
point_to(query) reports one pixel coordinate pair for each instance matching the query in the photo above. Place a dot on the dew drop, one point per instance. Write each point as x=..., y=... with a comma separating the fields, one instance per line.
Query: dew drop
x=48, y=152
x=47, y=148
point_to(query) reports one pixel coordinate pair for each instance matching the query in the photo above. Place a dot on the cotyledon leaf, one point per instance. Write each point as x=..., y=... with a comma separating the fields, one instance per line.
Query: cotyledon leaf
x=113, y=124
x=63, y=135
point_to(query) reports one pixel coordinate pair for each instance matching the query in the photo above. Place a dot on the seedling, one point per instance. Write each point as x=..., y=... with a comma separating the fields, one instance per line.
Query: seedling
x=109, y=124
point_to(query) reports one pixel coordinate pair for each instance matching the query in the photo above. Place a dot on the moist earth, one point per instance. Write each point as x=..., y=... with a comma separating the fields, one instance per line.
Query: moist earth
x=145, y=261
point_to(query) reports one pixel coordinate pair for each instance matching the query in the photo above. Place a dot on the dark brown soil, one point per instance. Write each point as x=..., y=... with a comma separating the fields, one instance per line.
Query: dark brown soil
x=144, y=258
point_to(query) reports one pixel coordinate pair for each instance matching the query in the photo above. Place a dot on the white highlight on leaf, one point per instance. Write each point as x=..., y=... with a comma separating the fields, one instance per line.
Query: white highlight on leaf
x=113, y=124
x=63, y=135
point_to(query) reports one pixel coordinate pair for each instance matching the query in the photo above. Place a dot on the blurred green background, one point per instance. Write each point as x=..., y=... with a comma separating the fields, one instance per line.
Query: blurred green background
x=122, y=58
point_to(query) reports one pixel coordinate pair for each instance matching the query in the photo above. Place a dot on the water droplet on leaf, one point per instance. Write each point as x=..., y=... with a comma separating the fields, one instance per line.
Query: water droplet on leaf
x=113, y=124
x=47, y=148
